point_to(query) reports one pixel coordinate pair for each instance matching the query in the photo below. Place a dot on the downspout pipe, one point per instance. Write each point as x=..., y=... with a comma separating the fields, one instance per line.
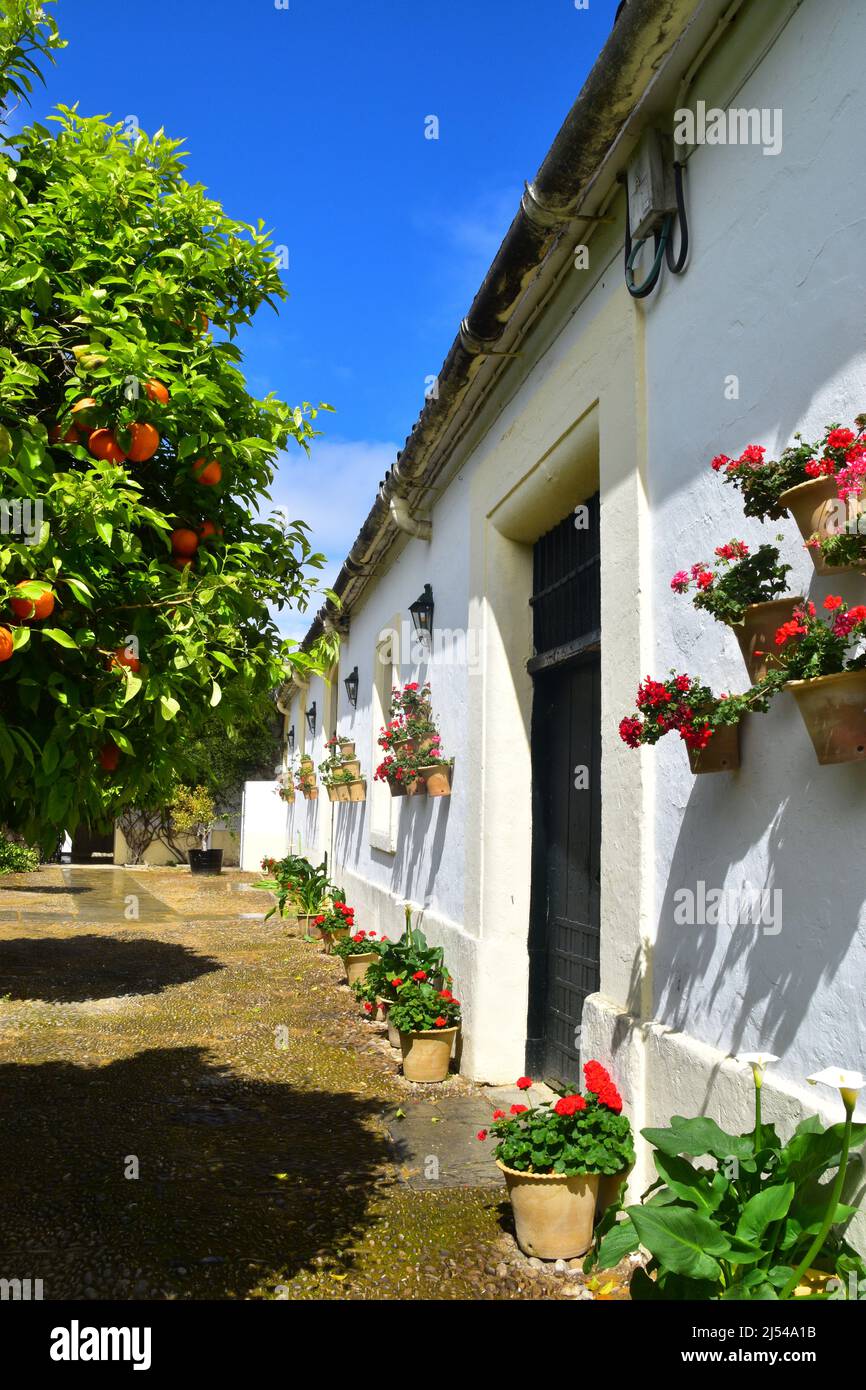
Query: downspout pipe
x=401, y=515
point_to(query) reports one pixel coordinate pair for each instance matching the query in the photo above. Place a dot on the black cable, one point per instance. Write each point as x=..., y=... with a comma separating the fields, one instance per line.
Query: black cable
x=676, y=266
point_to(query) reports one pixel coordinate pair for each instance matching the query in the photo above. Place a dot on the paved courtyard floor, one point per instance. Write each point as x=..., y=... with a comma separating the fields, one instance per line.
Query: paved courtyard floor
x=193, y=1108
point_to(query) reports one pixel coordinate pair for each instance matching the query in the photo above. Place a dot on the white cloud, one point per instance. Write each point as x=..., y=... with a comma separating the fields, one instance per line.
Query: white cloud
x=332, y=491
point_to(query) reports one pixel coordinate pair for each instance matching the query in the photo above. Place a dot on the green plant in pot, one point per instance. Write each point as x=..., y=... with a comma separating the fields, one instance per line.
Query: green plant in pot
x=761, y=1220
x=334, y=922
x=708, y=724
x=554, y=1157
x=359, y=952
x=427, y=1019
x=194, y=812
x=742, y=589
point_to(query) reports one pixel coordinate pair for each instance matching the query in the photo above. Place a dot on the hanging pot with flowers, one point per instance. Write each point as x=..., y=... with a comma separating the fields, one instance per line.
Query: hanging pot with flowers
x=823, y=663
x=708, y=724
x=427, y=1020
x=358, y=952
x=553, y=1157
x=413, y=760
x=402, y=773
x=742, y=589
x=821, y=485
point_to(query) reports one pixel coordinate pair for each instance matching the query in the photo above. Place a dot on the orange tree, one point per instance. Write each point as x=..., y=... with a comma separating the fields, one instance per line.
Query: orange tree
x=137, y=576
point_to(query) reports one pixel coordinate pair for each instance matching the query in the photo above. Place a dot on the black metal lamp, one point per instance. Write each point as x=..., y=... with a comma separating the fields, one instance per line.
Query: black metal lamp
x=351, y=684
x=311, y=718
x=422, y=612
x=290, y=739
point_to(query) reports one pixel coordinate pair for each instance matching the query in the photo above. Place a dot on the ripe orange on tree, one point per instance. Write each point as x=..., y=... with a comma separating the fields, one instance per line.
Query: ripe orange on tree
x=124, y=658
x=56, y=435
x=143, y=442
x=32, y=608
x=155, y=391
x=109, y=757
x=207, y=473
x=209, y=528
x=82, y=413
x=103, y=445
x=6, y=647
x=184, y=542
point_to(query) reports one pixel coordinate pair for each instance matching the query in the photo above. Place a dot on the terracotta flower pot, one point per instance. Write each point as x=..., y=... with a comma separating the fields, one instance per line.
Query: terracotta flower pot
x=722, y=753
x=426, y=1055
x=338, y=791
x=381, y=1014
x=357, y=966
x=553, y=1213
x=834, y=712
x=311, y=793
x=347, y=747
x=305, y=924
x=405, y=788
x=393, y=1034
x=756, y=634
x=352, y=765
x=437, y=779
x=609, y=1185
x=329, y=937
x=815, y=508
x=358, y=790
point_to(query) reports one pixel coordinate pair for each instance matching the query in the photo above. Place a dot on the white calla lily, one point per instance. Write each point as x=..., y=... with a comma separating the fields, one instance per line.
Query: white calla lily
x=847, y=1083
x=758, y=1061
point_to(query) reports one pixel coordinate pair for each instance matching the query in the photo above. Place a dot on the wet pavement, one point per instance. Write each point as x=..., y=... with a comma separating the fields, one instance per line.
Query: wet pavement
x=194, y=1108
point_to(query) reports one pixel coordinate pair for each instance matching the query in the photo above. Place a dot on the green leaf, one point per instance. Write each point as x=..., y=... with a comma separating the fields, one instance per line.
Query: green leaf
x=622, y=1240
x=169, y=706
x=697, y=1136
x=767, y=1206
x=215, y=694
x=689, y=1183
x=57, y=635
x=680, y=1239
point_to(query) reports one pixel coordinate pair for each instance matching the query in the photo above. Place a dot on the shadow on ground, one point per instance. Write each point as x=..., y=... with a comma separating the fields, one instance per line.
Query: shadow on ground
x=241, y=1183
x=71, y=969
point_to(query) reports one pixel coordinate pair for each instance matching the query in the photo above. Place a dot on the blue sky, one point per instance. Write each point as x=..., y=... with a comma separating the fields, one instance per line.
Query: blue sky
x=312, y=117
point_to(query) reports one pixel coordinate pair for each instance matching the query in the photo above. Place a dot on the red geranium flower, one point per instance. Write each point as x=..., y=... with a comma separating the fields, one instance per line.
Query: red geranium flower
x=523, y=1083
x=420, y=975
x=499, y=1114
x=518, y=1109
x=567, y=1105
x=482, y=1134
x=440, y=1022
x=396, y=983
x=596, y=1076
x=610, y=1096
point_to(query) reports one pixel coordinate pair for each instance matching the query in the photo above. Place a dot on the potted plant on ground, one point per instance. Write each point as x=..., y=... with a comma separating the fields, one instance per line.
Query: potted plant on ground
x=815, y=483
x=823, y=664
x=194, y=812
x=761, y=1220
x=334, y=923
x=707, y=724
x=742, y=589
x=552, y=1157
x=427, y=1020
x=358, y=952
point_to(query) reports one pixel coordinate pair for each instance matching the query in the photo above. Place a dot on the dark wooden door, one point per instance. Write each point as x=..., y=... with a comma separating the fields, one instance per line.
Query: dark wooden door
x=566, y=755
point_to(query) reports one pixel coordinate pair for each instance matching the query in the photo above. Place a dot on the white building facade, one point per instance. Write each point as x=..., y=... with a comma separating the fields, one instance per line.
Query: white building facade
x=554, y=889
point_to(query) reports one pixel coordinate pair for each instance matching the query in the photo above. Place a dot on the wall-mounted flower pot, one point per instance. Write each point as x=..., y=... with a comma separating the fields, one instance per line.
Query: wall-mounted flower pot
x=352, y=765
x=358, y=790
x=422, y=744
x=437, y=779
x=722, y=753
x=404, y=787
x=347, y=747
x=834, y=712
x=426, y=1054
x=756, y=634
x=357, y=966
x=338, y=791
x=815, y=508
x=553, y=1213
x=205, y=861
x=311, y=793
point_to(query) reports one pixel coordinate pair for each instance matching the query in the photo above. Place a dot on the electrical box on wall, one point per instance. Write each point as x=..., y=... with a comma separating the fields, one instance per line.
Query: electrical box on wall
x=650, y=183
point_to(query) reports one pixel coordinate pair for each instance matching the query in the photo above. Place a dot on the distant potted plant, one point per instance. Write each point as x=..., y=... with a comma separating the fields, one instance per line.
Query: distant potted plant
x=305, y=781
x=552, y=1157
x=334, y=924
x=815, y=483
x=358, y=952
x=823, y=664
x=342, y=781
x=194, y=812
x=742, y=589
x=428, y=1020
x=707, y=724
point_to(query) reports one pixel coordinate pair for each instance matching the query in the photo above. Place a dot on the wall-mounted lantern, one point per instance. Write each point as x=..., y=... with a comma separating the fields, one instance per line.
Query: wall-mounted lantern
x=422, y=613
x=311, y=719
x=351, y=684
